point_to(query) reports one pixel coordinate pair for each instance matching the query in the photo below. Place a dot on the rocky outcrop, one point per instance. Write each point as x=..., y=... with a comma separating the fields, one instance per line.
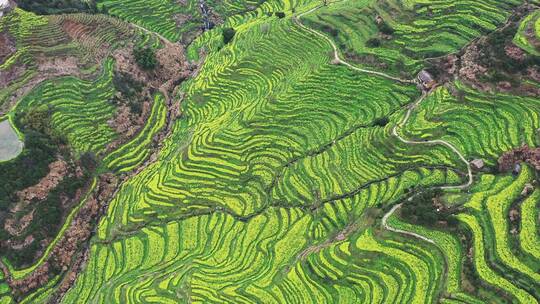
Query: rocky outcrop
x=526, y=154
x=57, y=171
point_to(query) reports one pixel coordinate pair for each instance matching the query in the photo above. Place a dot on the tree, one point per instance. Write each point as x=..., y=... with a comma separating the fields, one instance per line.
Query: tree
x=373, y=42
x=145, y=58
x=381, y=121
x=385, y=28
x=48, y=7
x=228, y=34
x=89, y=161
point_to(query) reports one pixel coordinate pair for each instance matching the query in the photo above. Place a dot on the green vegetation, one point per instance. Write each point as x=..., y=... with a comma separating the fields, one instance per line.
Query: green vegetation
x=47, y=7
x=133, y=153
x=528, y=34
x=407, y=31
x=228, y=34
x=28, y=168
x=507, y=122
x=176, y=22
x=80, y=109
x=146, y=58
x=43, y=145
x=277, y=175
x=280, y=178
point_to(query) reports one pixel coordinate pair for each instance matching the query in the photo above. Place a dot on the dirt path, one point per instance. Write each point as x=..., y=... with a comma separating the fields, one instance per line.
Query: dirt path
x=162, y=38
x=387, y=227
x=395, y=130
x=336, y=50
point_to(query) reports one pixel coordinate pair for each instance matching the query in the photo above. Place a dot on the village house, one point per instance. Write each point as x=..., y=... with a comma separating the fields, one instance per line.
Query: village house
x=426, y=80
x=478, y=164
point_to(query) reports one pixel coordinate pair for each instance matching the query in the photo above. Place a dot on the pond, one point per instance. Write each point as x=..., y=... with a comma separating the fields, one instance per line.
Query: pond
x=10, y=144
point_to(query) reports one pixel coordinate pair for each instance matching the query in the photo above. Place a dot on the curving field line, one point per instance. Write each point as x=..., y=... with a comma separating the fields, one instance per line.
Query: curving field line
x=409, y=111
x=386, y=226
x=338, y=59
x=161, y=37
x=433, y=142
x=395, y=128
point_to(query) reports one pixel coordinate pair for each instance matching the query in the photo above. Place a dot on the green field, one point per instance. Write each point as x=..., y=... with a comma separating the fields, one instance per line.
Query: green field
x=286, y=176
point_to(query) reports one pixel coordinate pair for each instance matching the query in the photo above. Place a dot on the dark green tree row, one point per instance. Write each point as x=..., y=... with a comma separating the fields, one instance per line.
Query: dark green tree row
x=49, y=7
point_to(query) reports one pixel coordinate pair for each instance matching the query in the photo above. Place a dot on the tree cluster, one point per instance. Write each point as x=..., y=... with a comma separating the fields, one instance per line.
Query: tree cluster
x=131, y=91
x=42, y=146
x=421, y=210
x=145, y=58
x=502, y=67
x=228, y=34
x=50, y=7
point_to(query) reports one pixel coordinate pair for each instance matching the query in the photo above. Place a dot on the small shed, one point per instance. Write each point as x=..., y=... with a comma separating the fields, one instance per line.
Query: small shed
x=426, y=79
x=478, y=164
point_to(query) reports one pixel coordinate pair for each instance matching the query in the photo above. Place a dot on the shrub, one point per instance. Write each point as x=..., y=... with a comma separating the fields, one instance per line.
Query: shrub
x=89, y=161
x=381, y=121
x=28, y=168
x=49, y=7
x=228, y=34
x=146, y=58
x=373, y=42
x=421, y=209
x=385, y=28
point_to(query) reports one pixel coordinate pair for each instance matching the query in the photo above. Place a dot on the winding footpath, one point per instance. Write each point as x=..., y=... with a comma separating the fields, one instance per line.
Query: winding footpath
x=161, y=37
x=395, y=129
x=338, y=59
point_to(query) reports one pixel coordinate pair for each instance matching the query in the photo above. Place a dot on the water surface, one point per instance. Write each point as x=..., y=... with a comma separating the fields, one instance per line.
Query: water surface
x=10, y=144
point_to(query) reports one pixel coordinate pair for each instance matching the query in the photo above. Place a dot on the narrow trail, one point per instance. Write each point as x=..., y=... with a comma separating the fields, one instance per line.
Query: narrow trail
x=337, y=58
x=395, y=132
x=387, y=227
x=161, y=37
x=395, y=129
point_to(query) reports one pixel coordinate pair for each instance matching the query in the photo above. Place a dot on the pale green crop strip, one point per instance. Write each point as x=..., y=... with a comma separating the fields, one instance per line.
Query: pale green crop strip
x=482, y=267
x=278, y=153
x=133, y=153
x=528, y=236
x=530, y=23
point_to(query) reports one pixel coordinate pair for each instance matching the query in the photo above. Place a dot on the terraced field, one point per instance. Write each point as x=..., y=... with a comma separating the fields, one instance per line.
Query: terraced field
x=287, y=176
x=174, y=20
x=528, y=35
x=407, y=31
x=133, y=153
x=80, y=109
x=58, y=39
x=480, y=125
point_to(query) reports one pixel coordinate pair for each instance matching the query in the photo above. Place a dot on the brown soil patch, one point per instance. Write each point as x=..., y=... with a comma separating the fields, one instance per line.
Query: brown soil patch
x=16, y=227
x=126, y=123
x=522, y=154
x=181, y=19
x=11, y=74
x=58, y=65
x=77, y=30
x=57, y=171
x=7, y=46
x=86, y=36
